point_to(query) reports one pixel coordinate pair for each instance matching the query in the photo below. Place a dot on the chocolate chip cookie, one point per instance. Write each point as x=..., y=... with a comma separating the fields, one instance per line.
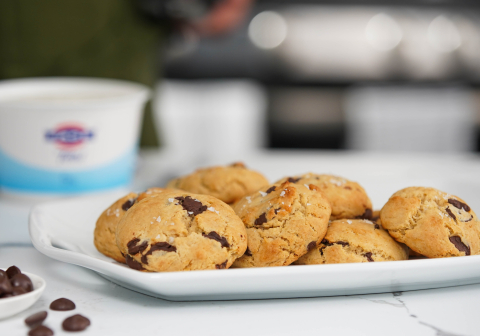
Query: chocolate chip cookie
x=354, y=240
x=105, y=228
x=180, y=231
x=227, y=183
x=432, y=223
x=348, y=199
x=283, y=222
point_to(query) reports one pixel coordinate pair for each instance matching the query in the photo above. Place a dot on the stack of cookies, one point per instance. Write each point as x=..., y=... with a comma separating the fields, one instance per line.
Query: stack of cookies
x=231, y=216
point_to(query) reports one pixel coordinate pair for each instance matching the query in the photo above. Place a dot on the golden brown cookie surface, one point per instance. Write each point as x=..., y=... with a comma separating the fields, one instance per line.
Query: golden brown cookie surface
x=227, y=183
x=432, y=223
x=354, y=240
x=283, y=221
x=178, y=231
x=348, y=199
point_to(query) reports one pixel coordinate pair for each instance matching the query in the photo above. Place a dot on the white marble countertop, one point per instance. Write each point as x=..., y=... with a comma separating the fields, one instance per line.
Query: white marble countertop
x=114, y=310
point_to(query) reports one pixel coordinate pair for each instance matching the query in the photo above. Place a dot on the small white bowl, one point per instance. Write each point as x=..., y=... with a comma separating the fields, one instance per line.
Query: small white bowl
x=15, y=304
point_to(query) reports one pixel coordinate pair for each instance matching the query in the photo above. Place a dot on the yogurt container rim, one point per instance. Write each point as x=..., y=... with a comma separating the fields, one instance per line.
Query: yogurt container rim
x=69, y=92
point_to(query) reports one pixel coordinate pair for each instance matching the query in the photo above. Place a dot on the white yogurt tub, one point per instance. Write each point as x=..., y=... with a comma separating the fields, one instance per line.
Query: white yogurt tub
x=64, y=135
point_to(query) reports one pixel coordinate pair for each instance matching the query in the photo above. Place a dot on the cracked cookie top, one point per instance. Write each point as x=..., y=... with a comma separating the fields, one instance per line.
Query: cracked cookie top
x=283, y=222
x=227, y=183
x=354, y=240
x=432, y=223
x=179, y=231
x=348, y=199
x=106, y=226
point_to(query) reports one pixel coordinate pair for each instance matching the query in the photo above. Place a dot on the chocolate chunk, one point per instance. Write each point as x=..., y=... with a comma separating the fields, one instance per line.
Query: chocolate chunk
x=459, y=205
x=277, y=210
x=368, y=214
x=128, y=204
x=248, y=252
x=342, y=243
x=36, y=319
x=459, y=245
x=311, y=245
x=133, y=248
x=62, y=304
x=21, y=280
x=5, y=285
x=162, y=246
x=326, y=242
x=191, y=205
x=75, y=323
x=450, y=213
x=376, y=226
x=222, y=265
x=132, y=263
x=375, y=219
x=468, y=220
x=369, y=256
x=271, y=189
x=293, y=180
x=40, y=331
x=262, y=219
x=215, y=236
x=12, y=271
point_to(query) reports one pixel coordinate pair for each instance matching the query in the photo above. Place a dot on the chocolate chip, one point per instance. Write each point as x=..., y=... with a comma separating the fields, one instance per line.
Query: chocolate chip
x=375, y=219
x=40, y=331
x=459, y=205
x=293, y=180
x=215, y=236
x=162, y=246
x=5, y=285
x=459, y=245
x=311, y=245
x=18, y=291
x=132, y=263
x=450, y=213
x=191, y=205
x=21, y=280
x=36, y=319
x=262, y=219
x=342, y=243
x=133, y=248
x=277, y=210
x=326, y=242
x=75, y=323
x=248, y=252
x=269, y=190
x=368, y=214
x=12, y=271
x=468, y=220
x=128, y=204
x=62, y=304
x=222, y=265
x=369, y=256
x=376, y=226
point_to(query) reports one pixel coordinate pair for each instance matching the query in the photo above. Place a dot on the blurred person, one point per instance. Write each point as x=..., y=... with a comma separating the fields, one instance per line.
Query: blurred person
x=120, y=39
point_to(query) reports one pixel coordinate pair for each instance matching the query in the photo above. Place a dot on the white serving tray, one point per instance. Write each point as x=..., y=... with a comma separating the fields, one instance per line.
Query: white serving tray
x=63, y=230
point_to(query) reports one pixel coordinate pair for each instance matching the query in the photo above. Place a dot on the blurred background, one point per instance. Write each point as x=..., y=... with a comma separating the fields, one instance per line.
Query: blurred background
x=240, y=75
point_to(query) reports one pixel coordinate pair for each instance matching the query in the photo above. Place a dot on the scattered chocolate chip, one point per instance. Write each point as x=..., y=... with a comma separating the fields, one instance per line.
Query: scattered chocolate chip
x=222, y=265
x=368, y=214
x=459, y=245
x=293, y=180
x=75, y=323
x=162, y=246
x=191, y=205
x=347, y=187
x=311, y=245
x=40, y=331
x=36, y=319
x=397, y=293
x=128, y=204
x=262, y=219
x=369, y=256
x=269, y=190
x=12, y=271
x=248, y=252
x=450, y=213
x=215, y=236
x=133, y=248
x=342, y=243
x=132, y=263
x=22, y=280
x=459, y=205
x=62, y=304
x=376, y=226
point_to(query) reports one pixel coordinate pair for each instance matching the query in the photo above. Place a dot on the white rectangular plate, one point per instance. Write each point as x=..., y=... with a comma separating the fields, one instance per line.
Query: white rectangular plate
x=63, y=230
